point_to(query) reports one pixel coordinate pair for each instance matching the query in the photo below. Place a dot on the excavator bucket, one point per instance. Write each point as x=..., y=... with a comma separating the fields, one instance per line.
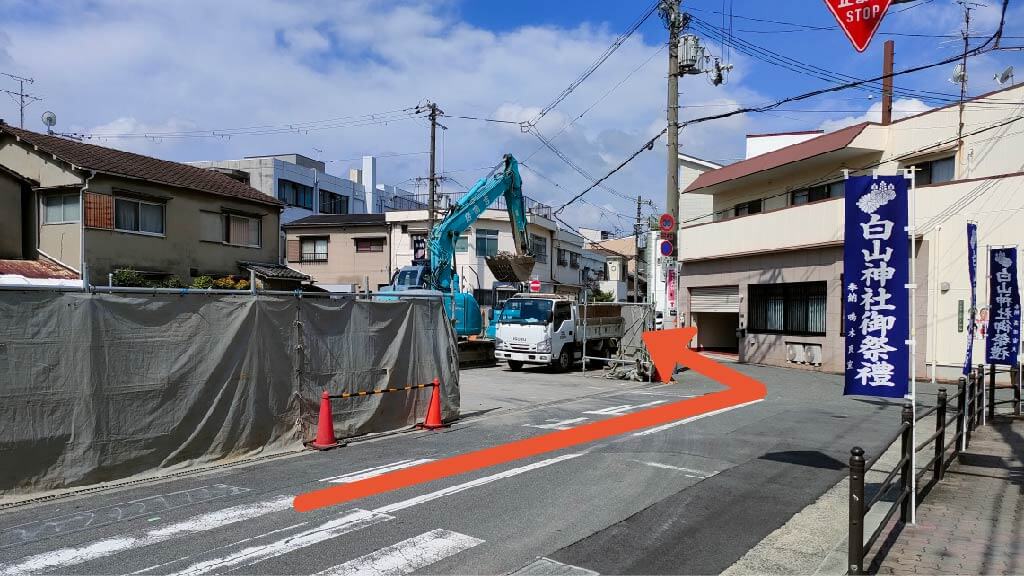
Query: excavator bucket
x=508, y=267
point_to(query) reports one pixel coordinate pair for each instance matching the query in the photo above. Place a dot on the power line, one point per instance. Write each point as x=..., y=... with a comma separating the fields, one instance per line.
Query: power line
x=649, y=145
x=593, y=67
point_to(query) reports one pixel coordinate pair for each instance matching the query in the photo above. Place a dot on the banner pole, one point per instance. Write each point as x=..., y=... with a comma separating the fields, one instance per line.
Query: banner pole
x=911, y=232
x=988, y=278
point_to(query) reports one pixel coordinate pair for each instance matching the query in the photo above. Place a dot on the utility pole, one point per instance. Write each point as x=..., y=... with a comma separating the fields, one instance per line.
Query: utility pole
x=674, y=21
x=433, y=113
x=21, y=95
x=887, y=64
x=963, y=90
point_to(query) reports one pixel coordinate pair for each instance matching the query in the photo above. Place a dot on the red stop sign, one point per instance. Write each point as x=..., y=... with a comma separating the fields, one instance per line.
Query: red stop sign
x=534, y=285
x=859, y=18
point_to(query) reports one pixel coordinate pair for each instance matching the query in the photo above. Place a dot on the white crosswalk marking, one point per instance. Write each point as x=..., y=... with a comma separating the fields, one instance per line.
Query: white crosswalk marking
x=72, y=556
x=406, y=556
x=689, y=471
x=377, y=471
x=350, y=522
x=619, y=410
x=556, y=424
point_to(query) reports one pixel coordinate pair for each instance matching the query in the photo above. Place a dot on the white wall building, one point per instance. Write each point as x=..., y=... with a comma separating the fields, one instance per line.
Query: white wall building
x=765, y=278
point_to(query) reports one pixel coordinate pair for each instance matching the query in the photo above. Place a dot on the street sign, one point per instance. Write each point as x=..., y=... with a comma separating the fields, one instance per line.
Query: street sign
x=534, y=285
x=666, y=222
x=665, y=248
x=859, y=19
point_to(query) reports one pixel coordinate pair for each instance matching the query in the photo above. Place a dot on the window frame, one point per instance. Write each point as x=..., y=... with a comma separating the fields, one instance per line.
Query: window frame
x=574, y=260
x=462, y=244
x=339, y=200
x=139, y=202
x=226, y=229
x=536, y=242
x=62, y=196
x=563, y=257
x=380, y=242
x=745, y=206
x=789, y=295
x=928, y=167
x=484, y=236
x=299, y=193
x=316, y=257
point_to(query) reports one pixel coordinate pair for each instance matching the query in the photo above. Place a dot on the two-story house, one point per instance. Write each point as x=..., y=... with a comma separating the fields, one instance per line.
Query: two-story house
x=97, y=210
x=763, y=276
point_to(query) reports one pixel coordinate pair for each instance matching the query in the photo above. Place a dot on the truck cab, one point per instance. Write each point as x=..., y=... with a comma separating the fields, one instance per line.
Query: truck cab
x=537, y=329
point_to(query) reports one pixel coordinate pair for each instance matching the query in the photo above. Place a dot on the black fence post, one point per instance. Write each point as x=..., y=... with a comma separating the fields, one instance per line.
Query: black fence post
x=980, y=400
x=972, y=379
x=940, y=442
x=1014, y=383
x=907, y=455
x=961, y=392
x=991, y=393
x=855, y=551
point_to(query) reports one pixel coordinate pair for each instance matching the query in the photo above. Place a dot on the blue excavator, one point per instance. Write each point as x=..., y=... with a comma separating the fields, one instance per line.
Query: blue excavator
x=436, y=273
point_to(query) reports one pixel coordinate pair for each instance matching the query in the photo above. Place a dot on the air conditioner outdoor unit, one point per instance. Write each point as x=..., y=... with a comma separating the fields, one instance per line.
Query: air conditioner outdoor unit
x=812, y=354
x=795, y=353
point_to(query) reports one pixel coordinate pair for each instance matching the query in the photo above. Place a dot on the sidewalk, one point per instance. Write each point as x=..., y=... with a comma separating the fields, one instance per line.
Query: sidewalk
x=973, y=521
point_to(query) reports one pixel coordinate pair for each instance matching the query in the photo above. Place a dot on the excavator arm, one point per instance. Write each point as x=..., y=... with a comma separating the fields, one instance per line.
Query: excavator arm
x=503, y=181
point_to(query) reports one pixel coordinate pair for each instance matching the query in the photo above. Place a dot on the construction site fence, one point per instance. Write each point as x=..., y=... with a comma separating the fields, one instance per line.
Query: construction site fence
x=119, y=382
x=637, y=318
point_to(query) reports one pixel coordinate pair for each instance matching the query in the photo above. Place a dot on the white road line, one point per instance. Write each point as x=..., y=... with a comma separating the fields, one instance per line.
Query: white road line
x=689, y=471
x=377, y=471
x=236, y=543
x=107, y=547
x=664, y=427
x=555, y=424
x=619, y=410
x=390, y=508
x=651, y=393
x=354, y=520
x=547, y=566
x=406, y=556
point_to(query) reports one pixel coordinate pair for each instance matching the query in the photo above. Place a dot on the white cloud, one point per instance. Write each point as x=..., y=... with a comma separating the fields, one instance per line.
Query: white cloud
x=901, y=108
x=188, y=65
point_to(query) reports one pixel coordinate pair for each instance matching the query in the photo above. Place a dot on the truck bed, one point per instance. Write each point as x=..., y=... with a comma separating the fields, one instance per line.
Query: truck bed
x=607, y=327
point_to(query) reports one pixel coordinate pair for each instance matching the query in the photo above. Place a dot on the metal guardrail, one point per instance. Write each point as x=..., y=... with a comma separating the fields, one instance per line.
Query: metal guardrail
x=971, y=405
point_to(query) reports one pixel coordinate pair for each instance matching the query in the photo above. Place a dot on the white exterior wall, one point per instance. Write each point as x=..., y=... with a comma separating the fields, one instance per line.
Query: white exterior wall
x=763, y=144
x=996, y=204
x=472, y=270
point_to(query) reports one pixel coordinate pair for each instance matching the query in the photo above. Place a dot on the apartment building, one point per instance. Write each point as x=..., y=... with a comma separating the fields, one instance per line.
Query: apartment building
x=341, y=252
x=763, y=278
x=95, y=210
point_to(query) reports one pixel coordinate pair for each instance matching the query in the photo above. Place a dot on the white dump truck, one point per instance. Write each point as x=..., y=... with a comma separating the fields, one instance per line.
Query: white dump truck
x=549, y=329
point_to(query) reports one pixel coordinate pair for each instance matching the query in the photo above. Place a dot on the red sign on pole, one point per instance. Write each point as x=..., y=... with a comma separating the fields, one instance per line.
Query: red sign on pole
x=859, y=18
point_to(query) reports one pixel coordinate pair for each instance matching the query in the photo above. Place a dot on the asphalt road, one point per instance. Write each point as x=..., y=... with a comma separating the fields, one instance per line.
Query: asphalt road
x=687, y=499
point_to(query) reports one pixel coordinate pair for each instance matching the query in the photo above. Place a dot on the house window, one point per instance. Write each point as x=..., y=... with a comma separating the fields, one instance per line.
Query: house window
x=486, y=242
x=419, y=246
x=816, y=193
x=369, y=244
x=563, y=257
x=315, y=249
x=333, y=203
x=211, y=226
x=242, y=231
x=295, y=194
x=60, y=209
x=744, y=208
x=574, y=260
x=138, y=216
x=462, y=244
x=539, y=247
x=935, y=171
x=795, y=309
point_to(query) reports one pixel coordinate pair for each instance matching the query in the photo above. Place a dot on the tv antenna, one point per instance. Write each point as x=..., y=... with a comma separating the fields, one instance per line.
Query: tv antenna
x=23, y=99
x=1004, y=77
x=49, y=120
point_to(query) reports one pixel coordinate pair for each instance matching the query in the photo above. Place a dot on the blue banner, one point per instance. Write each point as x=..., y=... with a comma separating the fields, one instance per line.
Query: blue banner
x=877, y=303
x=972, y=274
x=1003, y=338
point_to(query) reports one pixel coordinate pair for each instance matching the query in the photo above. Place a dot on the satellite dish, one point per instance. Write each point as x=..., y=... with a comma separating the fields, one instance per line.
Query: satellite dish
x=49, y=119
x=1005, y=76
x=959, y=76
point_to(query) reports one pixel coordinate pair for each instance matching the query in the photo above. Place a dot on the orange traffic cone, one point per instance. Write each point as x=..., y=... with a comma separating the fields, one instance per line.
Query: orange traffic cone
x=433, y=419
x=325, y=439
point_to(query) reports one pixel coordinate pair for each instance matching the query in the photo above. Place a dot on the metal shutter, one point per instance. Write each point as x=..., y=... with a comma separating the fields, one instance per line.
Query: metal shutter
x=715, y=299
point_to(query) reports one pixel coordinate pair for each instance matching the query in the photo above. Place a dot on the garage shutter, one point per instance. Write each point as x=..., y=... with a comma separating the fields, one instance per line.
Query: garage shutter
x=715, y=299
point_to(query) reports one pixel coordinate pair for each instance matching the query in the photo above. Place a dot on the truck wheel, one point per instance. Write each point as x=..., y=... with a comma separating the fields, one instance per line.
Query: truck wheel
x=515, y=365
x=564, y=361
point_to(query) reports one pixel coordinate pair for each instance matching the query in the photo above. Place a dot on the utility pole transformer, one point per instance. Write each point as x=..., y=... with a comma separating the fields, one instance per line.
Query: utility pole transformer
x=674, y=21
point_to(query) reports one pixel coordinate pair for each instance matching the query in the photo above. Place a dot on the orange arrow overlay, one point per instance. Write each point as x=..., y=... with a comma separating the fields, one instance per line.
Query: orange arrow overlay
x=667, y=348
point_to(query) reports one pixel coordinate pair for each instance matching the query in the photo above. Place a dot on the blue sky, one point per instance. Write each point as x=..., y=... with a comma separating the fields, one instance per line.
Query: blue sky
x=139, y=75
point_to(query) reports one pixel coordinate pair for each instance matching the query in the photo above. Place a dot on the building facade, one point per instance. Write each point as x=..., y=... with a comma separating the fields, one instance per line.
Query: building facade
x=96, y=210
x=341, y=253
x=764, y=278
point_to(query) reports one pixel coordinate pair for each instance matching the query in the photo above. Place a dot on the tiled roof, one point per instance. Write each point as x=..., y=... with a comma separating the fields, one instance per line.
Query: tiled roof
x=41, y=268
x=273, y=271
x=793, y=153
x=117, y=162
x=338, y=220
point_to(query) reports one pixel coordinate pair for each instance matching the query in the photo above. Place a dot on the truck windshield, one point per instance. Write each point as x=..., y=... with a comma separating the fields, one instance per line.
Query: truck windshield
x=407, y=278
x=525, y=311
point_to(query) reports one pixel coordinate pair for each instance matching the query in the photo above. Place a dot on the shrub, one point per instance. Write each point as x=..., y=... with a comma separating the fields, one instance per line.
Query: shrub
x=242, y=285
x=173, y=282
x=202, y=282
x=129, y=277
x=225, y=283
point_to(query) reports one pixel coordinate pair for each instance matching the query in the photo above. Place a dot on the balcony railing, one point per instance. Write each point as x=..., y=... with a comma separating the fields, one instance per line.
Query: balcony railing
x=444, y=201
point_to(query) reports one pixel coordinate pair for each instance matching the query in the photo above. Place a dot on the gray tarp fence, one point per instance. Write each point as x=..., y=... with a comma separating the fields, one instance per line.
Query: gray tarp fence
x=97, y=387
